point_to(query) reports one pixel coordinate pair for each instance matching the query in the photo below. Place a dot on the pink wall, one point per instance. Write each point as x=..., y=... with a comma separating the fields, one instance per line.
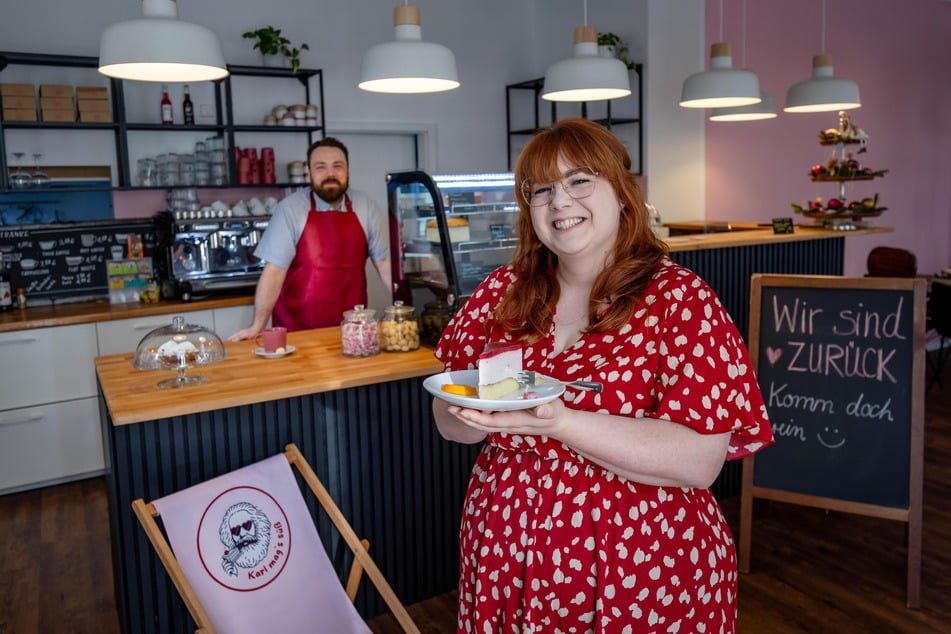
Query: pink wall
x=899, y=54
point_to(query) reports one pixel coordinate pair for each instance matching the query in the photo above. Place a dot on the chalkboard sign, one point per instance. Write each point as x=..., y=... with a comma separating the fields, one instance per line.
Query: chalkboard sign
x=840, y=362
x=66, y=261
x=835, y=370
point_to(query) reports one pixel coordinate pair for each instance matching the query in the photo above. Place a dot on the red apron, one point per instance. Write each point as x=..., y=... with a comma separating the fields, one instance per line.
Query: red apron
x=328, y=274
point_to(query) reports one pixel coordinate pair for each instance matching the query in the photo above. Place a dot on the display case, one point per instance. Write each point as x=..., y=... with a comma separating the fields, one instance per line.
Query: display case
x=447, y=233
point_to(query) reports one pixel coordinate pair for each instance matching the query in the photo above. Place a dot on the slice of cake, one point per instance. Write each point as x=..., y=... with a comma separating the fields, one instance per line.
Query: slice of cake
x=498, y=366
x=458, y=230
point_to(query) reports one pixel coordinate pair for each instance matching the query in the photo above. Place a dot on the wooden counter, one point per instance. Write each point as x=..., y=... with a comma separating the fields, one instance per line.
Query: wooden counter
x=317, y=365
x=750, y=234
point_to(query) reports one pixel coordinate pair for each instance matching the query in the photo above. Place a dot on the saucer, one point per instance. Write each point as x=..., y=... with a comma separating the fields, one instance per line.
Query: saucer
x=274, y=355
x=542, y=392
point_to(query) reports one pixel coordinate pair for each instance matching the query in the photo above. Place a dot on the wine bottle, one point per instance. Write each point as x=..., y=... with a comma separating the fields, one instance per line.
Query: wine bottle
x=6, y=288
x=188, y=109
x=166, y=107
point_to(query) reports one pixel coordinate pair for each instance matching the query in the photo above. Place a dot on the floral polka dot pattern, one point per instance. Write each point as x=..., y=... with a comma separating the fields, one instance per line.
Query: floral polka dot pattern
x=553, y=542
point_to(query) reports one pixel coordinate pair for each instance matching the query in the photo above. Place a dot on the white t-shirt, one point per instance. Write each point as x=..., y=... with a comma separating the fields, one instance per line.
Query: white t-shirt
x=278, y=244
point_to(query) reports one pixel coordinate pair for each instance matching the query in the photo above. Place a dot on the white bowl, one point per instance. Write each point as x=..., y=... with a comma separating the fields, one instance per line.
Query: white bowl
x=47, y=245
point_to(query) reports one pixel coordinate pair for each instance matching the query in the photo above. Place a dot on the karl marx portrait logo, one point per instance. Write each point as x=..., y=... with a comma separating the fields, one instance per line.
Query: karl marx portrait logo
x=246, y=533
x=244, y=539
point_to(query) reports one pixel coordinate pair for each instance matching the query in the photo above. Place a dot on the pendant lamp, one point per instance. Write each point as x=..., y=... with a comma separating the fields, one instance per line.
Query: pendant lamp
x=159, y=47
x=822, y=92
x=408, y=65
x=765, y=109
x=722, y=86
x=586, y=76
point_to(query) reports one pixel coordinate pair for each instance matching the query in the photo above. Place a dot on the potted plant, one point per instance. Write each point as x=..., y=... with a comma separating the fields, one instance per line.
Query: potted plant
x=271, y=43
x=611, y=45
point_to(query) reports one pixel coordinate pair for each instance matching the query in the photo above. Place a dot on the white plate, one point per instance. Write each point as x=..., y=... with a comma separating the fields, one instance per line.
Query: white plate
x=274, y=355
x=543, y=393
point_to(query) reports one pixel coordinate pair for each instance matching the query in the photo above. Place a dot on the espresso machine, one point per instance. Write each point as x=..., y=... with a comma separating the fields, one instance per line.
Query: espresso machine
x=210, y=254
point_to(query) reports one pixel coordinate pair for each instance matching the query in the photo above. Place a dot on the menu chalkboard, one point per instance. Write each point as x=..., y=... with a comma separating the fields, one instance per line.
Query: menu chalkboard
x=840, y=362
x=66, y=261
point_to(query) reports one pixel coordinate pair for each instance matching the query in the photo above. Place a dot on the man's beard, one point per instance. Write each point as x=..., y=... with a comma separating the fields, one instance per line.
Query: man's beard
x=330, y=189
x=253, y=552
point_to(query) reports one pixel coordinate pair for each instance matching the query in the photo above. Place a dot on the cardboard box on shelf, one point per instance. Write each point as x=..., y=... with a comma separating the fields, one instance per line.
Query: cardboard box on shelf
x=95, y=116
x=19, y=114
x=93, y=105
x=18, y=90
x=59, y=116
x=56, y=103
x=12, y=102
x=55, y=90
x=92, y=92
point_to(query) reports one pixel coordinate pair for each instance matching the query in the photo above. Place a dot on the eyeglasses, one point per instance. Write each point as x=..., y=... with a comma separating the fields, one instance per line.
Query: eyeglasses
x=577, y=183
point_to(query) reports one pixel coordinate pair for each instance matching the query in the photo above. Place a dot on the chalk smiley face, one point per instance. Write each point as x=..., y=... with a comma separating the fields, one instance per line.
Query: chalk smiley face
x=830, y=437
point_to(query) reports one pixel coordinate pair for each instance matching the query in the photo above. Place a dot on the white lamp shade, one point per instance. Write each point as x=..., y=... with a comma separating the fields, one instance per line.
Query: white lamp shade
x=160, y=48
x=408, y=65
x=765, y=109
x=586, y=76
x=822, y=92
x=722, y=86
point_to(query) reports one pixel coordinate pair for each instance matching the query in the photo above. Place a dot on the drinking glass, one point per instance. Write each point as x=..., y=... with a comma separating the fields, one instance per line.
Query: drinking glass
x=20, y=178
x=40, y=178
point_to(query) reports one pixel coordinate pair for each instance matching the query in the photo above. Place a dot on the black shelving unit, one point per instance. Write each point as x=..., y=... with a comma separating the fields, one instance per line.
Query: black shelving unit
x=535, y=86
x=303, y=75
x=224, y=125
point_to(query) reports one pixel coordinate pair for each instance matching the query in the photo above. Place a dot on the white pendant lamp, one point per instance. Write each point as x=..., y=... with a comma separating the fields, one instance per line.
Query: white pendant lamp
x=408, y=65
x=823, y=92
x=586, y=76
x=159, y=47
x=722, y=86
x=765, y=109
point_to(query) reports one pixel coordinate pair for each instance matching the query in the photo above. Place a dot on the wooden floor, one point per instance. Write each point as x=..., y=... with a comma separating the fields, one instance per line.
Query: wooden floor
x=812, y=570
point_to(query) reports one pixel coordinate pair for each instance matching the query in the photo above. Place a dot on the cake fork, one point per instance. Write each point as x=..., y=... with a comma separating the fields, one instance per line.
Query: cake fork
x=526, y=378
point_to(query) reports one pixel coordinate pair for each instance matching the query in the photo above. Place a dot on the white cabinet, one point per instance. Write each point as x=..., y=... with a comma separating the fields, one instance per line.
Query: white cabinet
x=49, y=408
x=50, y=443
x=123, y=335
x=46, y=365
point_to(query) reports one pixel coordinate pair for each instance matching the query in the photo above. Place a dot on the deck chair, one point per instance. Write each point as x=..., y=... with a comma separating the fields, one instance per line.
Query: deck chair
x=244, y=553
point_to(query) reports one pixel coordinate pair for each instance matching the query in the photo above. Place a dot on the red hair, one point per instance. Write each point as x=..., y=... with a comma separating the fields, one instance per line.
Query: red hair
x=527, y=308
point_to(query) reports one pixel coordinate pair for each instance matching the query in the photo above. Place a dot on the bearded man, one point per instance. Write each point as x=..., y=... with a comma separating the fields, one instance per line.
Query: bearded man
x=316, y=246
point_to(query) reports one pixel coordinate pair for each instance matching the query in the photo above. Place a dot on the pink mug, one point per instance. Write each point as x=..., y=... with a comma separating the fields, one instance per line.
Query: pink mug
x=272, y=338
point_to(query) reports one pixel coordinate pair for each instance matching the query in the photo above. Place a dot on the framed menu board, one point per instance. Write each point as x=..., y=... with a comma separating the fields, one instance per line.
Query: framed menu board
x=841, y=365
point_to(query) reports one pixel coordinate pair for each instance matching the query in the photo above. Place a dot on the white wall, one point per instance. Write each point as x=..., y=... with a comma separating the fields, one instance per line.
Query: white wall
x=674, y=135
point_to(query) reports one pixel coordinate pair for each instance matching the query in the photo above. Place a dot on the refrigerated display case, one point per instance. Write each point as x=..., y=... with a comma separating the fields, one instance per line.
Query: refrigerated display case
x=447, y=233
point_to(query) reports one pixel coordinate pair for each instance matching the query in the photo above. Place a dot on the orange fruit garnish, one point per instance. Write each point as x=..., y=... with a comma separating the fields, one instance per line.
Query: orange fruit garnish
x=461, y=390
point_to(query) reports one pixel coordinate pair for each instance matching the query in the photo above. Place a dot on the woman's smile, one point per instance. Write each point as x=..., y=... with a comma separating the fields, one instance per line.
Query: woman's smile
x=563, y=224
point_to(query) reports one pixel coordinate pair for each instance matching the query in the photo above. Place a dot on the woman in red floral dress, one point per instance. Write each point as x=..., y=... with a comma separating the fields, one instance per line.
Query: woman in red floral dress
x=592, y=513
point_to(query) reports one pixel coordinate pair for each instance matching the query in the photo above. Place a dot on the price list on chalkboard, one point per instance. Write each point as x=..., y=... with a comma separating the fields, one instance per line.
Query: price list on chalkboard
x=68, y=260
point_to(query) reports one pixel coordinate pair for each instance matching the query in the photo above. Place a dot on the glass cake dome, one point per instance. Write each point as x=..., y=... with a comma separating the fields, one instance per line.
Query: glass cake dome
x=178, y=347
